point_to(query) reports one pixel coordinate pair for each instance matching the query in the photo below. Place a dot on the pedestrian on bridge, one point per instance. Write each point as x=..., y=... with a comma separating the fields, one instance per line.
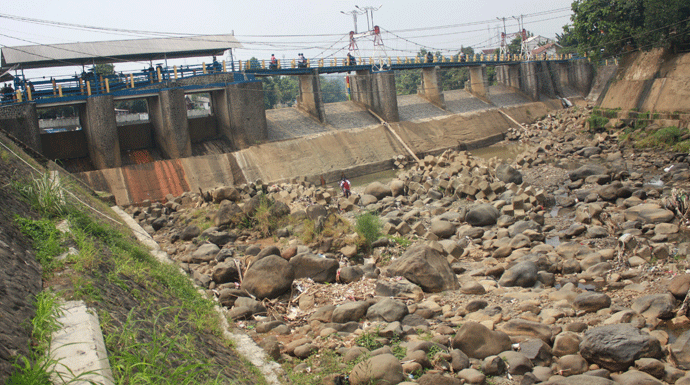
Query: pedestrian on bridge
x=429, y=57
x=351, y=60
x=301, y=61
x=274, y=62
x=7, y=93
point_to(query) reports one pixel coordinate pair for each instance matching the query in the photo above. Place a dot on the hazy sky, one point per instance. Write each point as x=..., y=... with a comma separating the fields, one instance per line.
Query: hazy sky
x=316, y=28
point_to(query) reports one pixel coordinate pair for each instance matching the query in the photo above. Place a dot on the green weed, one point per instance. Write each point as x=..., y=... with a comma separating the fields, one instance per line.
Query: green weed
x=46, y=241
x=596, y=122
x=45, y=194
x=368, y=226
x=401, y=241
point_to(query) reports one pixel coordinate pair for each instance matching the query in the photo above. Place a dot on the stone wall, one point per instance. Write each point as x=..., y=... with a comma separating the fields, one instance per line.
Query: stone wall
x=21, y=121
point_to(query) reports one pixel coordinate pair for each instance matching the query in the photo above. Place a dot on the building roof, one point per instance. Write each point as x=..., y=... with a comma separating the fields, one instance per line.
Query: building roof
x=544, y=47
x=56, y=55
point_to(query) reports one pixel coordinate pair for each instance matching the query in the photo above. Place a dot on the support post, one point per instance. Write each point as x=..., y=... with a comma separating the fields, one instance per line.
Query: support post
x=431, y=88
x=479, y=82
x=310, y=98
x=168, y=115
x=97, y=118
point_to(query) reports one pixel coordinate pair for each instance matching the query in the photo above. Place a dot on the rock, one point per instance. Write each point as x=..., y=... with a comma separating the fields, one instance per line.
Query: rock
x=537, y=351
x=316, y=211
x=379, y=190
x=582, y=379
x=255, y=306
x=651, y=366
x=477, y=341
x=225, y=272
x=387, y=310
x=304, y=351
x=229, y=213
x=442, y=229
x=616, y=347
x=190, y=232
x=367, y=199
x=587, y=170
x=399, y=288
x=239, y=313
x=634, y=377
x=571, y=364
x=493, y=366
x=591, y=302
x=679, y=285
x=350, y=312
x=279, y=210
x=482, y=215
x=266, y=251
x=424, y=266
x=655, y=305
x=505, y=173
x=397, y=187
x=269, y=277
x=566, y=343
x=320, y=269
x=226, y=192
x=349, y=274
x=518, y=327
x=221, y=238
x=518, y=363
x=648, y=213
x=205, y=253
x=680, y=349
x=472, y=376
x=524, y=274
x=438, y=379
x=459, y=360
x=227, y=297
x=381, y=369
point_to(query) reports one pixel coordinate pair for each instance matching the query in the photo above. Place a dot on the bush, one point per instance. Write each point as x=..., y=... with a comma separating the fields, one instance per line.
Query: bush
x=368, y=226
x=596, y=122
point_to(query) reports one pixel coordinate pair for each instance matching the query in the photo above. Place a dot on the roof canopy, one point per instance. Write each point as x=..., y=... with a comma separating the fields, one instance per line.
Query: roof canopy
x=57, y=55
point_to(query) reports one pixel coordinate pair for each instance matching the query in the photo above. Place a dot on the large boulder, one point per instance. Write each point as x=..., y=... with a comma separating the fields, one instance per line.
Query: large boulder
x=383, y=369
x=591, y=302
x=442, y=229
x=205, y=253
x=316, y=211
x=482, y=215
x=524, y=274
x=388, y=310
x=478, y=341
x=680, y=349
x=616, y=347
x=424, y=266
x=320, y=269
x=226, y=192
x=350, y=312
x=279, y=209
x=655, y=305
x=507, y=174
x=225, y=272
x=587, y=170
x=379, y=190
x=269, y=277
x=648, y=213
x=229, y=213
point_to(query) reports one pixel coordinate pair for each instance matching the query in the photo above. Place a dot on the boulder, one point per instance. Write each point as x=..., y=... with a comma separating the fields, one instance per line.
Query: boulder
x=316, y=211
x=482, y=215
x=524, y=274
x=518, y=327
x=648, y=213
x=279, y=209
x=225, y=272
x=397, y=187
x=442, y=229
x=350, y=274
x=226, y=192
x=591, y=302
x=477, y=341
x=190, y=232
x=655, y=305
x=320, y=269
x=387, y=310
x=616, y=347
x=587, y=170
x=379, y=190
x=383, y=369
x=229, y=213
x=505, y=173
x=269, y=277
x=679, y=285
x=635, y=377
x=350, y=312
x=205, y=253
x=582, y=379
x=572, y=364
x=680, y=350
x=424, y=266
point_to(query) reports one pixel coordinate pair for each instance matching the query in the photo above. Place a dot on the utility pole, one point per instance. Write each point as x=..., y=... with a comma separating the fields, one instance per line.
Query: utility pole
x=367, y=11
x=523, y=35
x=354, y=14
x=504, y=46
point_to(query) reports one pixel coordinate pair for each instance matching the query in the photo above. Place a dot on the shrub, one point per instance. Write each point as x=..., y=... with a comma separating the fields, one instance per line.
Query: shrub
x=368, y=226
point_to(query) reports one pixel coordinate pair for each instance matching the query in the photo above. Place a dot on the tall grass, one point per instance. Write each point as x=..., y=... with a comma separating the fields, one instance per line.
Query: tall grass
x=45, y=194
x=368, y=226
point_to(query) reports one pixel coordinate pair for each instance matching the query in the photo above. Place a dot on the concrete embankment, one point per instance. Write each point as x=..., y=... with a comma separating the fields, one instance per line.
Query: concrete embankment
x=354, y=152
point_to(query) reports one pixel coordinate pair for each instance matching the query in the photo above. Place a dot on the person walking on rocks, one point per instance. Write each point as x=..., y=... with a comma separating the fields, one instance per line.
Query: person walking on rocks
x=345, y=186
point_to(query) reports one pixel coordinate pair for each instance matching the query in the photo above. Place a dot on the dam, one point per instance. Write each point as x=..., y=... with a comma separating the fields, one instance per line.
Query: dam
x=240, y=141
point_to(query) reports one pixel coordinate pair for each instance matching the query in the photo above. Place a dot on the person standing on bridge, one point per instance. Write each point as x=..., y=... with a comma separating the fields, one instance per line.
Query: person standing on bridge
x=274, y=62
x=351, y=60
x=301, y=61
x=429, y=57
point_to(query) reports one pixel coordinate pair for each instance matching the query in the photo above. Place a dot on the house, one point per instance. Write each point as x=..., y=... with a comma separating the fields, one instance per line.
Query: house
x=535, y=41
x=546, y=49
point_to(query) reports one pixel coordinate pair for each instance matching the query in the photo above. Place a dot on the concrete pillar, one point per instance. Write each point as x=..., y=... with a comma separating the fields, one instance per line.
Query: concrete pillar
x=547, y=81
x=221, y=110
x=98, y=122
x=376, y=91
x=529, y=83
x=431, y=87
x=21, y=121
x=509, y=75
x=244, y=123
x=580, y=75
x=310, y=98
x=168, y=116
x=479, y=82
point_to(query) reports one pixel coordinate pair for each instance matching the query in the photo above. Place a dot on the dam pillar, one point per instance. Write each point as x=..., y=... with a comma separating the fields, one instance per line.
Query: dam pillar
x=431, y=88
x=376, y=91
x=479, y=82
x=21, y=121
x=529, y=83
x=509, y=75
x=168, y=115
x=241, y=113
x=310, y=98
x=580, y=75
x=97, y=118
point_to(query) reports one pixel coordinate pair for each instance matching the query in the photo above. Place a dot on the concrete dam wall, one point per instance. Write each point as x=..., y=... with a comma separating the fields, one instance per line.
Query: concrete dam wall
x=355, y=152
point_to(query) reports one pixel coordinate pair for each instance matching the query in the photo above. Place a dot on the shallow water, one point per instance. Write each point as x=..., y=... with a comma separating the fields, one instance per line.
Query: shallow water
x=381, y=176
x=503, y=151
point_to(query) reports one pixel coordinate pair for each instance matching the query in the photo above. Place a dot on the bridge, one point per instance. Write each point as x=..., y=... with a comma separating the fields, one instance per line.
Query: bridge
x=237, y=99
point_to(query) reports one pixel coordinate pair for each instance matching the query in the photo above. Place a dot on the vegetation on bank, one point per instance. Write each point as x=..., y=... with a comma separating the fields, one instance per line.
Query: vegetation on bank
x=158, y=329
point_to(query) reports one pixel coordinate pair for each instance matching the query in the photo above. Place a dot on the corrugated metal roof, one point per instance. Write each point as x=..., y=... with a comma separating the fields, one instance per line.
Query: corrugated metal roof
x=56, y=55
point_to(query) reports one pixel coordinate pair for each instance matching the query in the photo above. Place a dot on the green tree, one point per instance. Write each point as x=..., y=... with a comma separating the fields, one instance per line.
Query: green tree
x=333, y=90
x=104, y=69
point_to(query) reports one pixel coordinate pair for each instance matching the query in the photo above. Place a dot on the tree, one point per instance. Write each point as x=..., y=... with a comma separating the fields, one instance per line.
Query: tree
x=333, y=90
x=104, y=69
